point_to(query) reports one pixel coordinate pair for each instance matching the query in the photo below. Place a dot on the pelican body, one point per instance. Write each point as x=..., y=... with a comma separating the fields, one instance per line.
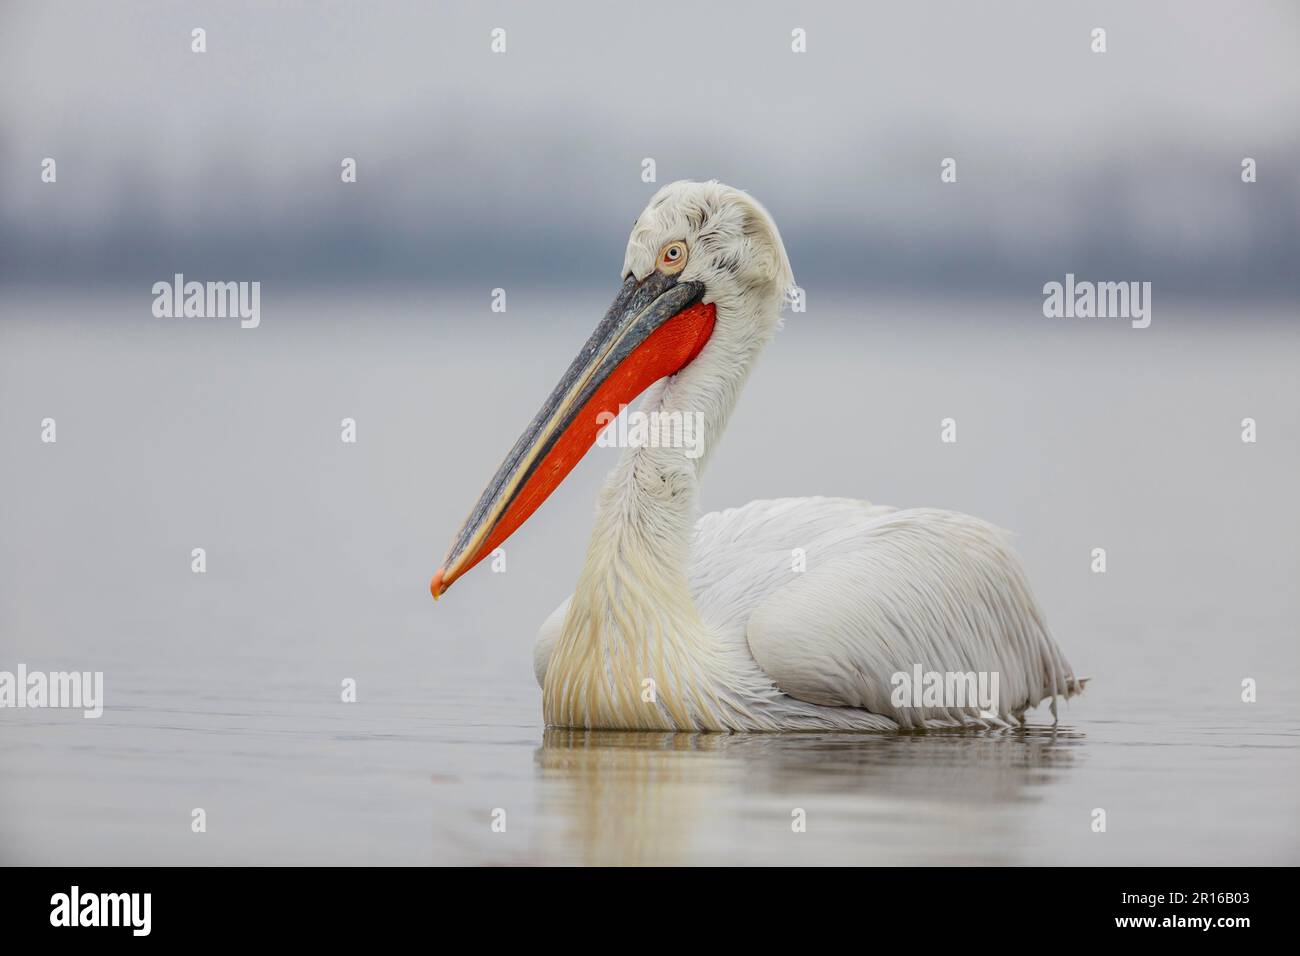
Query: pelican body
x=704, y=623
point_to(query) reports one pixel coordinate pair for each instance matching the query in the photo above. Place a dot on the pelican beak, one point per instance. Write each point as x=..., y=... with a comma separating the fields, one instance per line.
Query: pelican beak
x=655, y=327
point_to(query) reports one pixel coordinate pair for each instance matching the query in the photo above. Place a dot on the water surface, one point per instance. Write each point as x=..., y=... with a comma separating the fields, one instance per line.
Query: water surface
x=223, y=689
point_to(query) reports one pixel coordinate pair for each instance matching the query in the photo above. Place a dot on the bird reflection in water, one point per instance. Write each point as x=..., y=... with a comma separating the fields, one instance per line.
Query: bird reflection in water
x=634, y=798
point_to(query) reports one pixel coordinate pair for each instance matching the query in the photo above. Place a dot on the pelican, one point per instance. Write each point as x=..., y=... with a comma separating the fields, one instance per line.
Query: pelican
x=687, y=623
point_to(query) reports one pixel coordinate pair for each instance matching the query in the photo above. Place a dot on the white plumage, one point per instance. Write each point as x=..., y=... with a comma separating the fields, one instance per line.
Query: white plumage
x=681, y=622
x=883, y=590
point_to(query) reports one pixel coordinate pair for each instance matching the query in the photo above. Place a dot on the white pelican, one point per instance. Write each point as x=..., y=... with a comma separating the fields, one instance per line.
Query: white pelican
x=689, y=623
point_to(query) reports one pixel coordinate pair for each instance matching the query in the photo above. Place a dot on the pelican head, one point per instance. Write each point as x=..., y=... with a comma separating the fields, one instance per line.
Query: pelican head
x=704, y=278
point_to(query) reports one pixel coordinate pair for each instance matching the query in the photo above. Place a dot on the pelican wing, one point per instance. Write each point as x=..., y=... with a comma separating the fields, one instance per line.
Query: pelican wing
x=830, y=598
x=886, y=591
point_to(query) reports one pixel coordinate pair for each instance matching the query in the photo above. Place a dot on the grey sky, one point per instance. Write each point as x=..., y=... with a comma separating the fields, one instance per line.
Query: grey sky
x=526, y=165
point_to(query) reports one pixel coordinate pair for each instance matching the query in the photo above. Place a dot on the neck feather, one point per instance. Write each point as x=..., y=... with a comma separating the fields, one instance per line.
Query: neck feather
x=634, y=652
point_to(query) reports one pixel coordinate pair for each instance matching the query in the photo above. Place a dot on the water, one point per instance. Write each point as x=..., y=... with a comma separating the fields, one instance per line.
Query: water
x=222, y=689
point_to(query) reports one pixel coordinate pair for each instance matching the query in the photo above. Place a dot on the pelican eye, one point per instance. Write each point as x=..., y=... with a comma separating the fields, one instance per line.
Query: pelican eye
x=672, y=258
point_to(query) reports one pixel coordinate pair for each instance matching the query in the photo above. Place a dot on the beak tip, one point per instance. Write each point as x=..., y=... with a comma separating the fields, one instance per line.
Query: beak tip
x=435, y=586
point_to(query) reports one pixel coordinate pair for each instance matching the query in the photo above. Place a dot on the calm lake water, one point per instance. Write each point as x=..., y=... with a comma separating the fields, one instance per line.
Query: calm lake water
x=223, y=689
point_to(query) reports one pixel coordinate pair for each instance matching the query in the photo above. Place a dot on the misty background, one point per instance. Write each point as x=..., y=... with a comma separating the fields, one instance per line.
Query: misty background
x=523, y=171
x=476, y=167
